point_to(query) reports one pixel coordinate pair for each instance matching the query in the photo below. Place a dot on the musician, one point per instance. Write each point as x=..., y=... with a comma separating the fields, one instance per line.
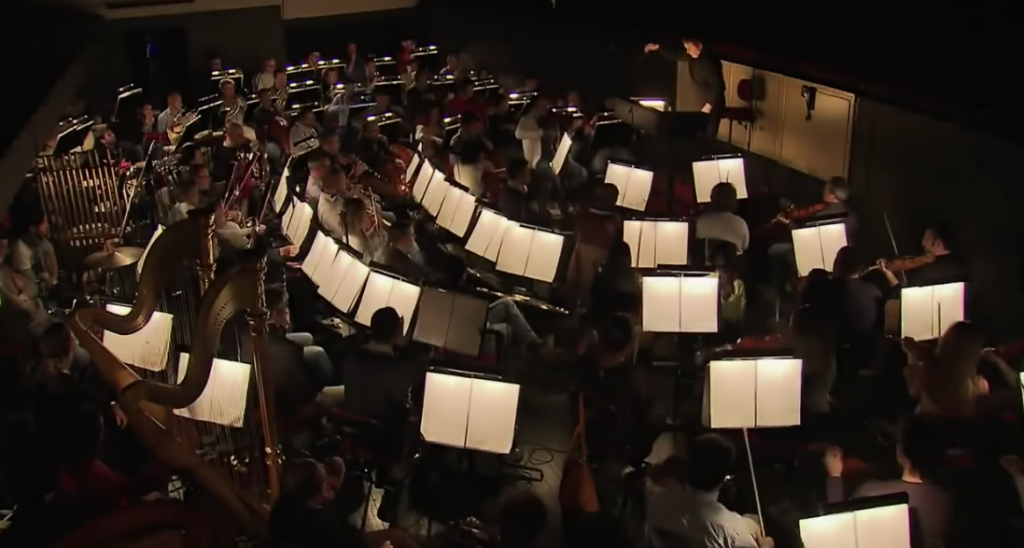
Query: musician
x=330, y=205
x=280, y=91
x=835, y=194
x=20, y=307
x=174, y=109
x=705, y=70
x=117, y=149
x=229, y=234
x=465, y=100
x=225, y=154
x=403, y=256
x=501, y=126
x=377, y=378
x=319, y=167
x=430, y=133
x=328, y=81
x=304, y=131
x=598, y=227
x=339, y=109
x=419, y=97
x=383, y=105
x=233, y=106
x=469, y=145
x=860, y=304
x=373, y=147
x=372, y=76
x=404, y=60
x=355, y=66
x=267, y=77
x=33, y=256
x=315, y=359
x=943, y=267
x=720, y=222
x=514, y=201
x=452, y=68
x=359, y=230
x=189, y=198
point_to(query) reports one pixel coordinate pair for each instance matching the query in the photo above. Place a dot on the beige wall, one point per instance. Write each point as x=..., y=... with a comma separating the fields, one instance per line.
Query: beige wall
x=819, y=147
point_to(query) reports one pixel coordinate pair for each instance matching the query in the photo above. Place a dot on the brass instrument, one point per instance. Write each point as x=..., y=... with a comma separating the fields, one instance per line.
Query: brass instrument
x=183, y=119
x=149, y=404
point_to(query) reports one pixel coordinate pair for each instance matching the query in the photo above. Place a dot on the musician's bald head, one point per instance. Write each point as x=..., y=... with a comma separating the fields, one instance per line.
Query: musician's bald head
x=837, y=190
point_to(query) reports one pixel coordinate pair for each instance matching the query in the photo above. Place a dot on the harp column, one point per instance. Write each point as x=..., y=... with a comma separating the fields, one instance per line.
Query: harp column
x=257, y=316
x=207, y=254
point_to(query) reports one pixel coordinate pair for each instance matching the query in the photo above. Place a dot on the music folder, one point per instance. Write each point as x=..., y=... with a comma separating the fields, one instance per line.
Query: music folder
x=281, y=192
x=383, y=290
x=927, y=312
x=723, y=169
x=530, y=252
x=435, y=194
x=753, y=392
x=450, y=320
x=816, y=246
x=680, y=303
x=657, y=243
x=414, y=164
x=145, y=252
x=223, y=400
x=488, y=233
x=423, y=178
x=456, y=211
x=345, y=280
x=470, y=176
x=634, y=185
x=561, y=153
x=469, y=413
x=882, y=525
x=148, y=347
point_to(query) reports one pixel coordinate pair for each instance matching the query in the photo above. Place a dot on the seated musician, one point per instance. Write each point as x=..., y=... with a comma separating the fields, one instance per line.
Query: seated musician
x=328, y=80
x=419, y=97
x=501, y=125
x=945, y=381
x=330, y=206
x=835, y=194
x=315, y=361
x=136, y=131
x=118, y=150
x=265, y=78
x=280, y=91
x=515, y=200
x=174, y=109
x=430, y=133
x=372, y=76
x=720, y=222
x=264, y=118
x=229, y=234
x=233, y=105
x=616, y=288
x=319, y=166
x=382, y=105
x=469, y=145
x=403, y=255
x=598, y=227
x=939, y=265
x=377, y=378
x=465, y=100
x=226, y=153
x=860, y=304
x=189, y=198
x=21, y=308
x=33, y=256
x=304, y=131
x=359, y=230
x=452, y=67
x=373, y=147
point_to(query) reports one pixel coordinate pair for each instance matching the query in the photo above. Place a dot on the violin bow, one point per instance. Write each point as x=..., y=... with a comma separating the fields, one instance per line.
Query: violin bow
x=895, y=248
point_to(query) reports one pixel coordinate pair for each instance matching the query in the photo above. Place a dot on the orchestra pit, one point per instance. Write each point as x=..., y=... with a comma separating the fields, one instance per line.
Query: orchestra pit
x=397, y=279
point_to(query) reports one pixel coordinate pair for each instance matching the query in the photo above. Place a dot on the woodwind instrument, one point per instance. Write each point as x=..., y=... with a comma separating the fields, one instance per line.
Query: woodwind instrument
x=150, y=404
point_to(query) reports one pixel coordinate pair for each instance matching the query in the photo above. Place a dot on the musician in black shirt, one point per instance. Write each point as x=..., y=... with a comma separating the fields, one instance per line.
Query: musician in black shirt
x=707, y=76
x=373, y=147
x=947, y=267
x=470, y=143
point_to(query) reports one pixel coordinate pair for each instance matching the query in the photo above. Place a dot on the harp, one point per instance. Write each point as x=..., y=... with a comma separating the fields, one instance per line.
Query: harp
x=236, y=461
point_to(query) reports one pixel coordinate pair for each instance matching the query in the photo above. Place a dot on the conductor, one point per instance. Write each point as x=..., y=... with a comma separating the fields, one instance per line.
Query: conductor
x=706, y=74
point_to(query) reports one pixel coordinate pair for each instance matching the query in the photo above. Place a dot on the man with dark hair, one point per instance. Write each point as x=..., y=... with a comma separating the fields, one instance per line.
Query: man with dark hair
x=403, y=255
x=522, y=518
x=514, y=202
x=938, y=242
x=377, y=378
x=721, y=222
x=706, y=73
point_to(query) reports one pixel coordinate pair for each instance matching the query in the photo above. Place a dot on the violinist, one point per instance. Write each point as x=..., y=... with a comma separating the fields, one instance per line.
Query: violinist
x=373, y=147
x=936, y=264
x=319, y=167
x=304, y=131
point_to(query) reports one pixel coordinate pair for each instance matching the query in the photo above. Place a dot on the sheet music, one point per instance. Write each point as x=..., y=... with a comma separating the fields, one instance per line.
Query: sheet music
x=145, y=252
x=661, y=300
x=515, y=250
x=927, y=312
x=618, y=175
x=281, y=193
x=833, y=238
x=383, y=291
x=445, y=415
x=647, y=250
x=286, y=220
x=339, y=268
x=148, y=347
x=299, y=226
x=631, y=233
x=949, y=306
x=419, y=188
x=456, y=211
x=879, y=527
x=532, y=151
x=708, y=173
x=404, y=298
x=732, y=393
x=492, y=416
x=698, y=304
x=344, y=299
x=314, y=256
x=410, y=170
x=436, y=193
x=322, y=273
x=807, y=249
x=561, y=153
x=672, y=243
x=485, y=240
x=434, y=317
x=471, y=177
x=732, y=171
x=778, y=392
x=638, y=189
x=545, y=253
x=223, y=400
x=829, y=531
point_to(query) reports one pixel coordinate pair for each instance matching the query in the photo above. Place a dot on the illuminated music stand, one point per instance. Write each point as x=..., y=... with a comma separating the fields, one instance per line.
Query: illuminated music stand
x=145, y=252
x=298, y=225
x=315, y=253
x=347, y=278
x=657, y=243
x=634, y=185
x=927, y=312
x=281, y=192
x=488, y=233
x=749, y=393
x=450, y=320
x=422, y=182
x=469, y=411
x=318, y=263
x=816, y=246
x=719, y=169
x=413, y=168
x=653, y=103
x=561, y=153
x=435, y=194
x=148, y=347
x=530, y=252
x=456, y=210
x=680, y=302
x=223, y=400
x=883, y=524
x=382, y=290
x=470, y=176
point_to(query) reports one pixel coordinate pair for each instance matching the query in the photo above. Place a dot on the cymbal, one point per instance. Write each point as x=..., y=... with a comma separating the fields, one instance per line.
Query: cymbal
x=121, y=256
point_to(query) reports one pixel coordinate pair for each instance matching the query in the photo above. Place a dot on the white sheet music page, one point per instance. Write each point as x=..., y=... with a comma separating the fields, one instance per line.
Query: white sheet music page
x=515, y=250
x=463, y=215
x=404, y=298
x=647, y=250
x=672, y=243
x=497, y=237
x=338, y=268
x=410, y=170
x=545, y=253
x=450, y=207
x=315, y=252
x=145, y=252
x=948, y=300
x=631, y=232
x=883, y=527
x=661, y=301
x=301, y=221
x=778, y=392
x=830, y=531
x=731, y=170
x=618, y=175
x=561, y=153
x=471, y=177
x=436, y=193
x=419, y=188
x=281, y=193
x=698, y=304
x=445, y=415
x=807, y=249
x=732, y=393
x=148, y=347
x=291, y=217
x=375, y=296
x=469, y=316
x=355, y=278
x=917, y=309
x=434, y=317
x=833, y=238
x=322, y=272
x=492, y=416
x=223, y=400
x=638, y=189
x=705, y=177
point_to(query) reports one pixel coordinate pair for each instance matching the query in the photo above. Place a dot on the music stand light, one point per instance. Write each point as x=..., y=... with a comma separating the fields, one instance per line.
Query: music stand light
x=469, y=413
x=530, y=252
x=816, y=246
x=148, y=347
x=281, y=193
x=456, y=211
x=634, y=185
x=223, y=400
x=726, y=169
x=382, y=290
x=927, y=312
x=657, y=243
x=561, y=153
x=470, y=176
x=436, y=193
x=680, y=303
x=145, y=252
x=348, y=276
x=878, y=527
x=487, y=235
x=423, y=178
x=450, y=320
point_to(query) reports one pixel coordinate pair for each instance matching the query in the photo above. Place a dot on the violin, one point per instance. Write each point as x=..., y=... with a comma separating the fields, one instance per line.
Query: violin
x=909, y=263
x=793, y=213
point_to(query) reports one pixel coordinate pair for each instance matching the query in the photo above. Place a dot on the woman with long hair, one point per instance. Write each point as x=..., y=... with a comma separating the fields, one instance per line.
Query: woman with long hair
x=946, y=381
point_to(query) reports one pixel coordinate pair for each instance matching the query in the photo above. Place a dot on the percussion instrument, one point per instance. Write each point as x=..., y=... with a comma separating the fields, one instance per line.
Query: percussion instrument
x=117, y=258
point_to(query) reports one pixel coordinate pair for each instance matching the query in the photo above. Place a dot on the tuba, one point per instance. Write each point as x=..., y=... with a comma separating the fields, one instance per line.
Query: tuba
x=150, y=404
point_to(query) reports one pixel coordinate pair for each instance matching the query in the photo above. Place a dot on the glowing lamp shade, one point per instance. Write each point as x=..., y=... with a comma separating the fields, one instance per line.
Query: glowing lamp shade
x=148, y=347
x=476, y=414
x=753, y=393
x=281, y=193
x=145, y=252
x=530, y=252
x=532, y=151
x=634, y=185
x=657, y=243
x=487, y=235
x=382, y=291
x=436, y=193
x=708, y=173
x=298, y=226
x=423, y=178
x=880, y=527
x=561, y=153
x=817, y=246
x=470, y=176
x=926, y=312
x=344, y=283
x=410, y=170
x=451, y=321
x=456, y=211
x=680, y=304
x=223, y=400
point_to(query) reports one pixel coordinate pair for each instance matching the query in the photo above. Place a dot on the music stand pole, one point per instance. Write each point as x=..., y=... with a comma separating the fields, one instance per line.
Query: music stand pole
x=753, y=480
